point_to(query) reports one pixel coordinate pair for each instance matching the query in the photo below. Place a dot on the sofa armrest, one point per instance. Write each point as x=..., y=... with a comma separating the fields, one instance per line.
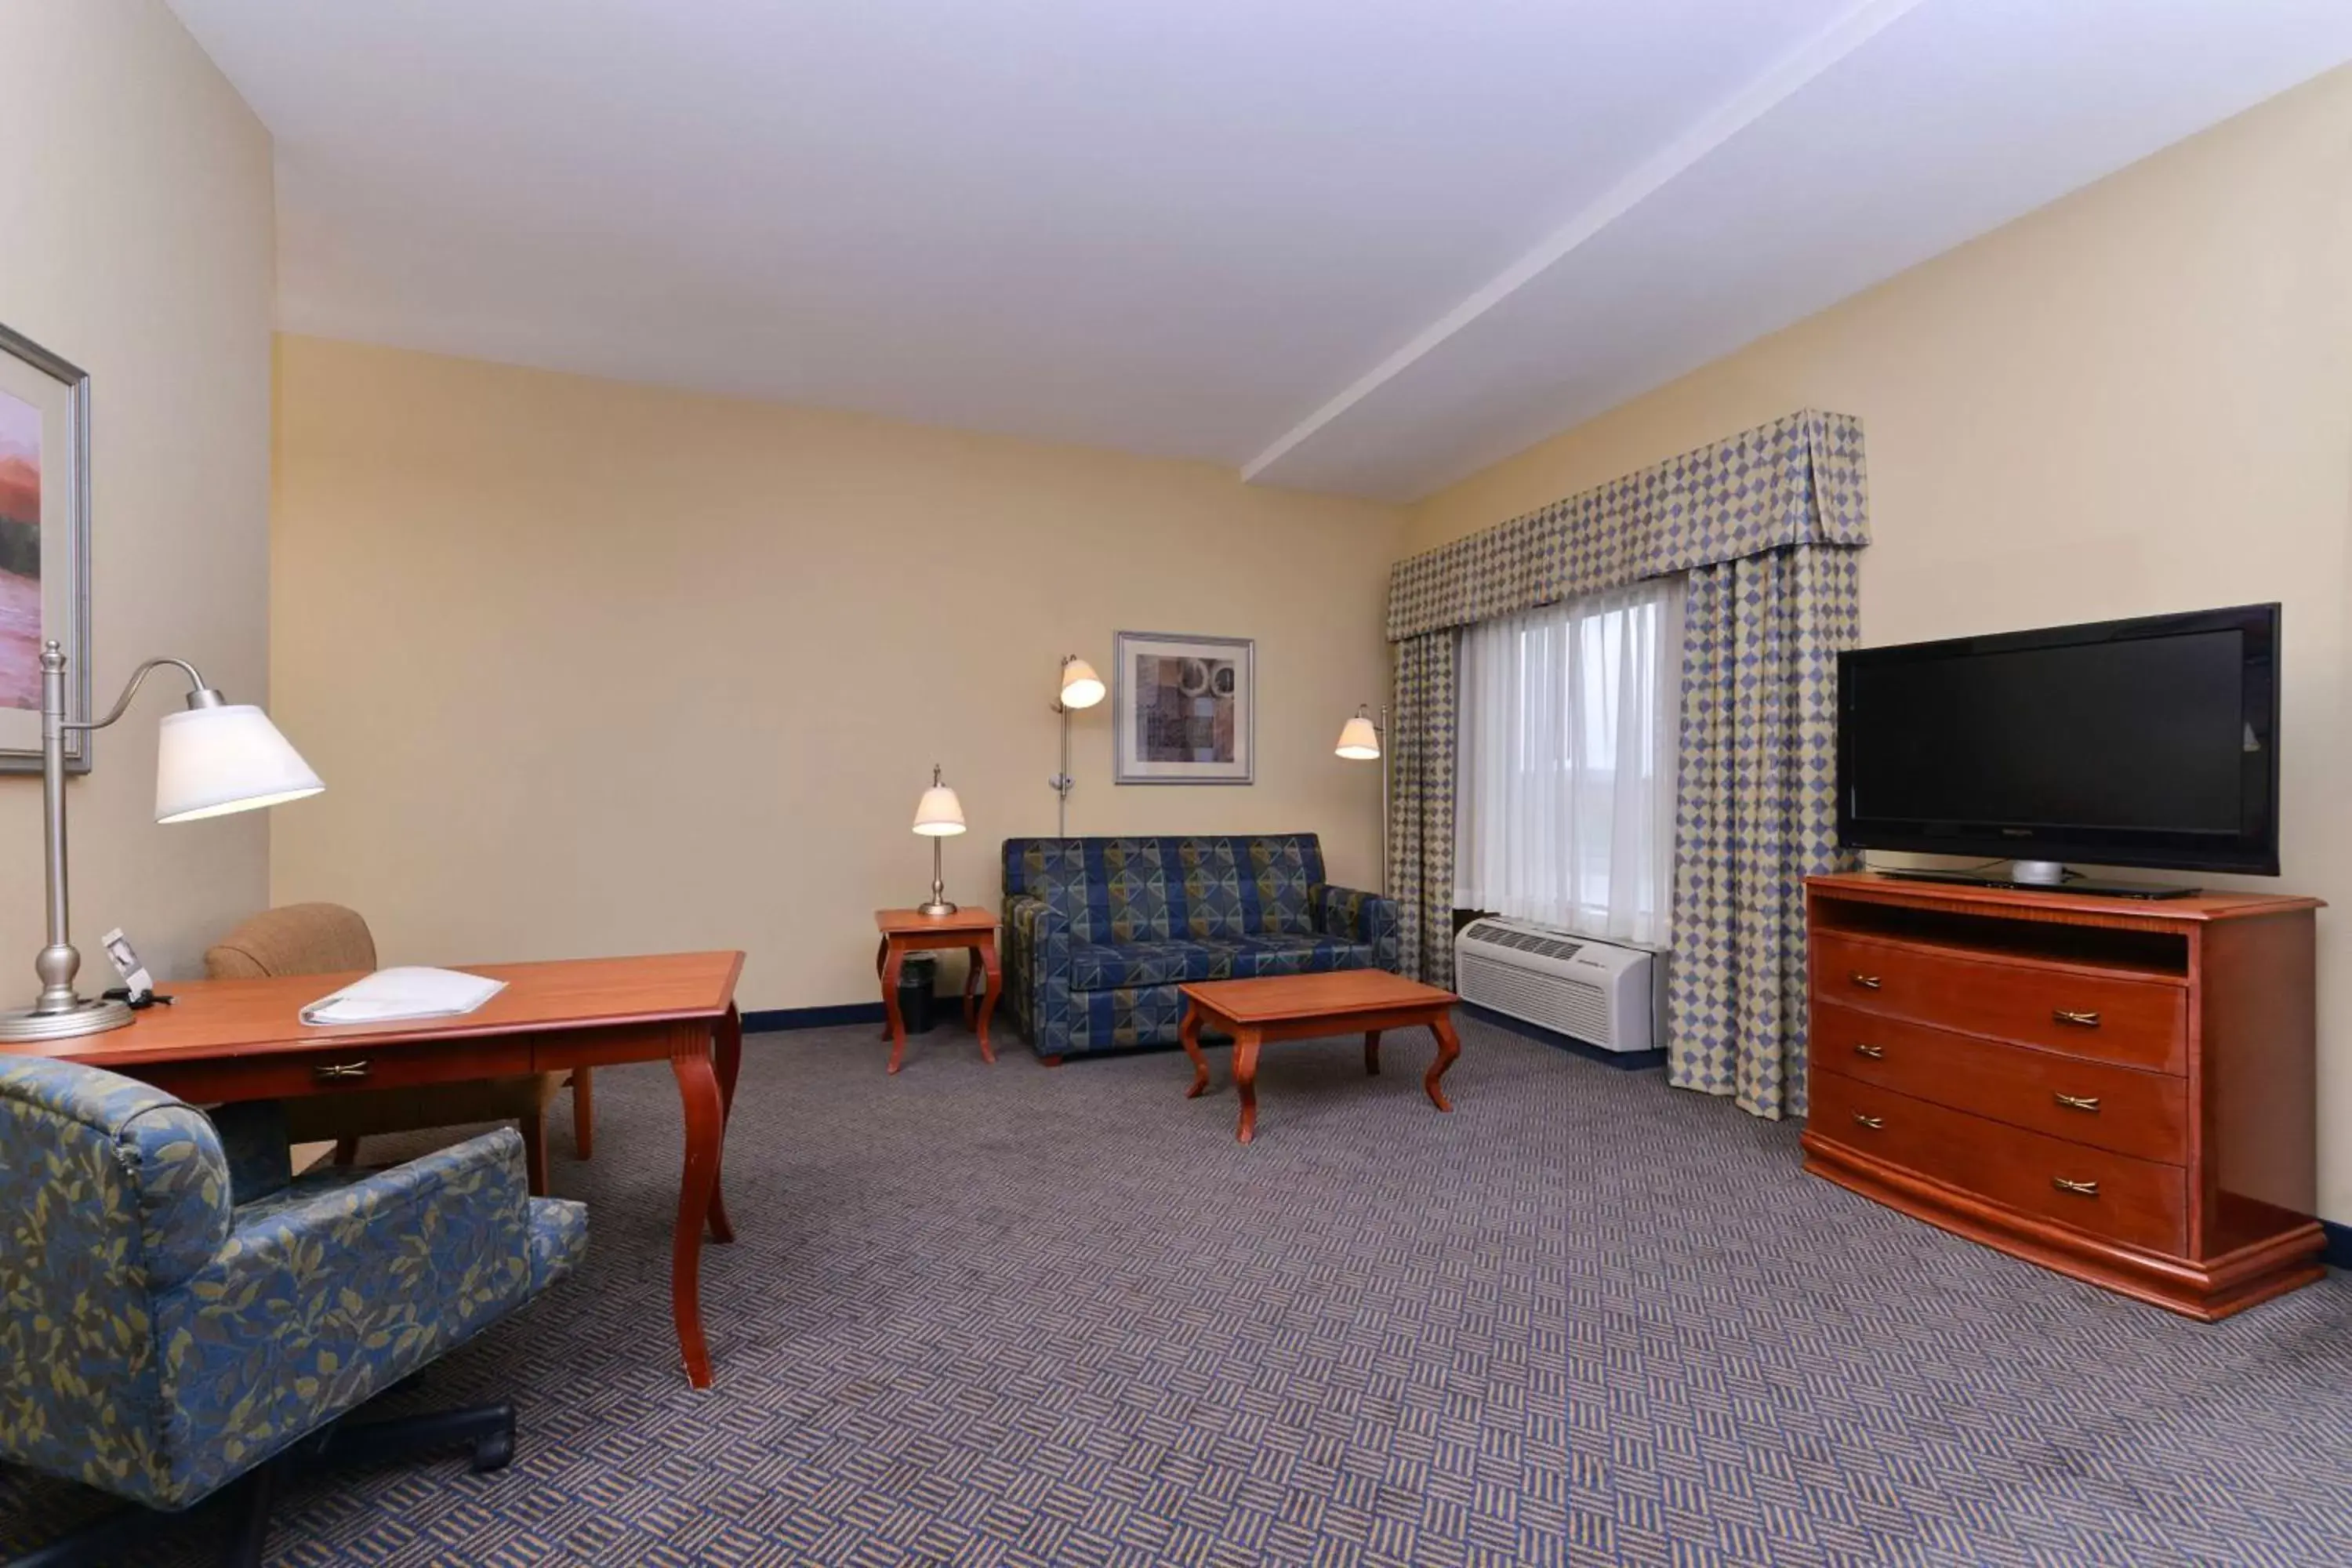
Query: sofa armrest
x=1037, y=937
x=1357, y=916
x=330, y=1292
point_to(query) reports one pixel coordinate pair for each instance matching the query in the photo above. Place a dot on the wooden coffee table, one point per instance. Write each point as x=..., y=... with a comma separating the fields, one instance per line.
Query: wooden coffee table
x=1304, y=1006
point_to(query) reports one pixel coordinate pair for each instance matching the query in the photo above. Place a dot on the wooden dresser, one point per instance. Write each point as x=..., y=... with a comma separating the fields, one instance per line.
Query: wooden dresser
x=2120, y=1090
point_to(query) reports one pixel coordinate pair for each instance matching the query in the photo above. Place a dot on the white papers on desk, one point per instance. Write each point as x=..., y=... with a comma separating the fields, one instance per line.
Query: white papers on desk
x=392, y=995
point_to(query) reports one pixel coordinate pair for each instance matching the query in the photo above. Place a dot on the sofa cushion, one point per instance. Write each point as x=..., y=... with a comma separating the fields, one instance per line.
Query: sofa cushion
x=1106, y=967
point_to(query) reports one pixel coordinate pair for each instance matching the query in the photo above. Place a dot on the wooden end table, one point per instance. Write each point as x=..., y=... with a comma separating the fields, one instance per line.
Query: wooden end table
x=908, y=930
x=1303, y=1006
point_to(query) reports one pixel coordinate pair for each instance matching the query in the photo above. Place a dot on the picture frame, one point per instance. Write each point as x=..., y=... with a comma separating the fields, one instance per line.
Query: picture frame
x=44, y=545
x=1183, y=709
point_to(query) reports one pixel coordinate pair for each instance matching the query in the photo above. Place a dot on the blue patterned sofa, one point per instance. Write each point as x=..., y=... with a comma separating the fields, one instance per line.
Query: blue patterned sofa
x=1099, y=933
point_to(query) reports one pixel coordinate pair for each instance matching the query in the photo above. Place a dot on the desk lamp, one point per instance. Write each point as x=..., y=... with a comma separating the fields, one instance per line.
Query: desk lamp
x=215, y=758
x=939, y=815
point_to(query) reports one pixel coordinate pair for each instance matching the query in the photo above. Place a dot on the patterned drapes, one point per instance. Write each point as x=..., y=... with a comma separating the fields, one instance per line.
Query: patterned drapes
x=1421, y=786
x=1764, y=525
x=1797, y=480
x=1755, y=814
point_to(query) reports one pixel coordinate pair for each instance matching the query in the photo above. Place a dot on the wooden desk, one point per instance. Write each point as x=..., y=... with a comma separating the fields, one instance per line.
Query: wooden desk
x=907, y=931
x=245, y=1039
x=1307, y=1006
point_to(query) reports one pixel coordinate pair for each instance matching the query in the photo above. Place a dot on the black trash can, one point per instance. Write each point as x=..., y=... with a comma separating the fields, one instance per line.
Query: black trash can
x=917, y=973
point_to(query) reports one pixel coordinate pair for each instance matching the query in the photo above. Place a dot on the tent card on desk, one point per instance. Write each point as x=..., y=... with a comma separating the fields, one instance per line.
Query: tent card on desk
x=392, y=995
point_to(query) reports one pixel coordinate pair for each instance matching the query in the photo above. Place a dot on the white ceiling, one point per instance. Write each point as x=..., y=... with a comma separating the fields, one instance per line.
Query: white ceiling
x=1352, y=245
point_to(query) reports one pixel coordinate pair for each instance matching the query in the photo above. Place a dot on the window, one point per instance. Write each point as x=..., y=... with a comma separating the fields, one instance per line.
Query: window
x=1565, y=802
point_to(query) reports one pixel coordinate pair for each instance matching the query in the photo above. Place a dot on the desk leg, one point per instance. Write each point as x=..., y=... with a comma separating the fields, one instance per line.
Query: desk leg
x=892, y=964
x=1245, y=1043
x=727, y=1039
x=697, y=1192
x=1187, y=1035
x=1372, y=1052
x=1449, y=1045
x=985, y=956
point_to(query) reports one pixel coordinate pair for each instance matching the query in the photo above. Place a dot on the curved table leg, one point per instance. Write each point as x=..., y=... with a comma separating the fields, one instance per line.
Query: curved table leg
x=727, y=1039
x=891, y=965
x=1188, y=1034
x=1245, y=1042
x=583, y=1112
x=1449, y=1045
x=1373, y=1053
x=706, y=1116
x=985, y=955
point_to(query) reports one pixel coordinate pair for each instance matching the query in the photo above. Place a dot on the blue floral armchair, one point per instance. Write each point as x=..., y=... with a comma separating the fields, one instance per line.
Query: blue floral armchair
x=1100, y=933
x=176, y=1308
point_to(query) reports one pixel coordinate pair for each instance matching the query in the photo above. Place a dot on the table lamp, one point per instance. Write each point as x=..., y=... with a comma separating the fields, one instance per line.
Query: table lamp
x=1081, y=687
x=213, y=759
x=939, y=815
x=1359, y=741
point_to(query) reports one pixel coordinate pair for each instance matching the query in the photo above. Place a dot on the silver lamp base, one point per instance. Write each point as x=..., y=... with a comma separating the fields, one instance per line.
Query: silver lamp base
x=18, y=1023
x=936, y=908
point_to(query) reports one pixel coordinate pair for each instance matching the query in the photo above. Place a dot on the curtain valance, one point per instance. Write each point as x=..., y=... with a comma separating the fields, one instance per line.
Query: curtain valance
x=1798, y=480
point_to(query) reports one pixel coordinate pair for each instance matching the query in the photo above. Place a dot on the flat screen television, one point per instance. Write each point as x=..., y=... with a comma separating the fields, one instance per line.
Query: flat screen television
x=2152, y=741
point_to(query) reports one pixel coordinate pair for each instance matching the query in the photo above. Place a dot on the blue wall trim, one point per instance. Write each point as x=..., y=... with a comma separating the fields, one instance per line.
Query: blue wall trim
x=1624, y=1061
x=774, y=1018
x=2339, y=1245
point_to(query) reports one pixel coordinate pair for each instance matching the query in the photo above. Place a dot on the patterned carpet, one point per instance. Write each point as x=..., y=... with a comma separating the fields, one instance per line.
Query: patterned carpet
x=1017, y=1316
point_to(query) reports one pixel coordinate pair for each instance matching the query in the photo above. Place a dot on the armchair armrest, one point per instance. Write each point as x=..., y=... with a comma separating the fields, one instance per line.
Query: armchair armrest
x=1357, y=916
x=330, y=1291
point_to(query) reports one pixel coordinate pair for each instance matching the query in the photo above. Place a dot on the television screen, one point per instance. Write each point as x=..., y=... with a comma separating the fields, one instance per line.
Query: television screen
x=2142, y=743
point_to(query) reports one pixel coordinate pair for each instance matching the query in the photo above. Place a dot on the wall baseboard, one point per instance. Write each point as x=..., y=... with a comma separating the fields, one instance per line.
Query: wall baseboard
x=1623, y=1061
x=768, y=1020
x=2339, y=1245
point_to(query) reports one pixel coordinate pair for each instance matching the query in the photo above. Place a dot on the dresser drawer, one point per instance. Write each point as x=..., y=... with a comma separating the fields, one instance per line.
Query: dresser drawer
x=2138, y=1201
x=351, y=1064
x=2112, y=1017
x=2131, y=1110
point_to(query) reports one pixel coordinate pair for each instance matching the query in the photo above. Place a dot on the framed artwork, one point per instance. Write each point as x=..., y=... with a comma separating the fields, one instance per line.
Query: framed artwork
x=1185, y=708
x=44, y=544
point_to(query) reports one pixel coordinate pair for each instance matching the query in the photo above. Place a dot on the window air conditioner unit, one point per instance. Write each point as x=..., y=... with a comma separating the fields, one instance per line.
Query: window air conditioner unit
x=1603, y=992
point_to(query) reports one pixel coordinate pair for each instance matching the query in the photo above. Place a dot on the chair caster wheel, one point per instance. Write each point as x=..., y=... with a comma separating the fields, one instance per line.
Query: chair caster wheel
x=493, y=1452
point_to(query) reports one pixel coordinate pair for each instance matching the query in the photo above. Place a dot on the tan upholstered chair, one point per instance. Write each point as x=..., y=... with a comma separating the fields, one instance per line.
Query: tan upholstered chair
x=328, y=939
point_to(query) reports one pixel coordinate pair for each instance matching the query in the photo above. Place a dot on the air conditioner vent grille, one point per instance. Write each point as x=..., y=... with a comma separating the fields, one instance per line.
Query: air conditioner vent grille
x=1491, y=934
x=1571, y=1007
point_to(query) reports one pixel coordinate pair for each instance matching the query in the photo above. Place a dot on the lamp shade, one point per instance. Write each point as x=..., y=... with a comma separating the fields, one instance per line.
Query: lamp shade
x=939, y=815
x=1359, y=741
x=210, y=762
x=1081, y=686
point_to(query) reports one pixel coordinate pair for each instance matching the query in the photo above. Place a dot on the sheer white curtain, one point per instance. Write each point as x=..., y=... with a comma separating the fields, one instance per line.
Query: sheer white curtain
x=1564, y=802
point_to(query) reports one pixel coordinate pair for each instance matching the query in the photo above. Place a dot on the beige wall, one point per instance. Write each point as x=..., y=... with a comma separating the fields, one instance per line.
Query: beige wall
x=593, y=668
x=136, y=241
x=2138, y=399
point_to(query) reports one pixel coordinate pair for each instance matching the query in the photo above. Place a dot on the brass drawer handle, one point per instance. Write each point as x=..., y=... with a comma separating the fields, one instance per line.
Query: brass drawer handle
x=2085, y=1189
x=1865, y=1048
x=1871, y=1122
x=328, y=1072
x=2086, y=1020
x=1867, y=981
x=2079, y=1101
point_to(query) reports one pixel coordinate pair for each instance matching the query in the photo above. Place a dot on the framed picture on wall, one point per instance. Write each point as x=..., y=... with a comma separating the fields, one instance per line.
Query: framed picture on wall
x=44, y=544
x=1185, y=708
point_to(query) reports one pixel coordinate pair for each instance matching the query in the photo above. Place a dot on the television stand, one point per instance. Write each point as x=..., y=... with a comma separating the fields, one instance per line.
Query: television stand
x=2087, y=886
